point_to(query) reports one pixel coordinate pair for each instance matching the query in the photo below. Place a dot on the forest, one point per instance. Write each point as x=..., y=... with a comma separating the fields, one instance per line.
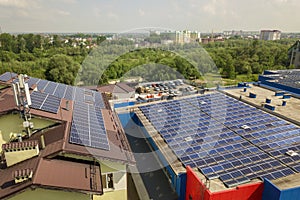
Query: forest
x=95, y=60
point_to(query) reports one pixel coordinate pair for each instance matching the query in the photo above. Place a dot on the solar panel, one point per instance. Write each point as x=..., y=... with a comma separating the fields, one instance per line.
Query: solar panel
x=213, y=133
x=51, y=104
x=88, y=127
x=69, y=93
x=32, y=81
x=37, y=99
x=45, y=102
x=7, y=76
x=60, y=90
x=41, y=84
x=50, y=88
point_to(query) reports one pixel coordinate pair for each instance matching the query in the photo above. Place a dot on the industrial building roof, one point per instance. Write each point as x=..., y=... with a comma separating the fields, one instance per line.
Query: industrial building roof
x=226, y=140
x=101, y=136
x=289, y=79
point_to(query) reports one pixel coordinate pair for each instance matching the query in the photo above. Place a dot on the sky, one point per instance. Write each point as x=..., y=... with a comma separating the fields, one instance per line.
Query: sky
x=122, y=16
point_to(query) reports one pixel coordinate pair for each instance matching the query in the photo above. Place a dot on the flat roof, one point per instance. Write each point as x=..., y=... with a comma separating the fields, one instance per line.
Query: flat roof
x=225, y=140
x=291, y=110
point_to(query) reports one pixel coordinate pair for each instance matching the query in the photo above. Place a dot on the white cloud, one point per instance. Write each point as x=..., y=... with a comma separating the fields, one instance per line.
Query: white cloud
x=15, y=3
x=210, y=9
x=141, y=12
x=63, y=12
x=112, y=16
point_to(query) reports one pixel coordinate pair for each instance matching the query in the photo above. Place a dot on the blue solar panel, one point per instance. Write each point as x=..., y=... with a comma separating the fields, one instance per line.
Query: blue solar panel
x=69, y=93
x=88, y=127
x=50, y=88
x=51, y=104
x=45, y=102
x=37, y=99
x=7, y=76
x=42, y=84
x=60, y=90
x=213, y=131
x=32, y=81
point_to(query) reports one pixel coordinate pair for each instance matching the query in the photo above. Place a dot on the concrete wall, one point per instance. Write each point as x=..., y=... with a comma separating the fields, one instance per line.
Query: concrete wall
x=119, y=174
x=19, y=156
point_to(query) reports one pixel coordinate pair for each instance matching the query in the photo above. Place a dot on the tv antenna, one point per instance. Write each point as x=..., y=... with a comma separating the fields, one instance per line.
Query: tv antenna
x=23, y=101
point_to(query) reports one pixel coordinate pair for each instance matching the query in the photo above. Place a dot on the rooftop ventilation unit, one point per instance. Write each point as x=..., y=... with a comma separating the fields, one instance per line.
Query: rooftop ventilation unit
x=291, y=153
x=245, y=127
x=188, y=139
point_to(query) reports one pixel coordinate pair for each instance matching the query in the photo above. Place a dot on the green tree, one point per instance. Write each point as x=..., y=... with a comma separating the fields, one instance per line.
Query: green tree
x=6, y=42
x=62, y=69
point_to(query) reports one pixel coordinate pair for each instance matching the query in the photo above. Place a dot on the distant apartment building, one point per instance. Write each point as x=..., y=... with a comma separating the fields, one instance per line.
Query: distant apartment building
x=270, y=34
x=241, y=33
x=294, y=54
x=187, y=36
x=180, y=37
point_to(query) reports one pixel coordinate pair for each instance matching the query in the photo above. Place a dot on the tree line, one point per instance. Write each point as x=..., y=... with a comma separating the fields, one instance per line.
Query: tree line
x=61, y=58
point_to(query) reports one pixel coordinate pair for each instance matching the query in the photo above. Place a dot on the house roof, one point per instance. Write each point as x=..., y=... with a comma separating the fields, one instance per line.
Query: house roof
x=116, y=88
x=66, y=174
x=50, y=168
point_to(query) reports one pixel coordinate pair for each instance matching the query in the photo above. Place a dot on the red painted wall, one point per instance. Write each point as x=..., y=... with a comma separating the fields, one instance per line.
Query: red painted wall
x=195, y=190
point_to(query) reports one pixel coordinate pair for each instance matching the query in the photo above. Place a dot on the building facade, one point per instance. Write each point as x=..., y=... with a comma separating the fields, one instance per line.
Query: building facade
x=270, y=34
x=294, y=55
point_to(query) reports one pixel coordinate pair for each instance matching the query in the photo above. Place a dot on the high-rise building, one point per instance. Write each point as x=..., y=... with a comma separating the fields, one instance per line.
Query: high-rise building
x=270, y=34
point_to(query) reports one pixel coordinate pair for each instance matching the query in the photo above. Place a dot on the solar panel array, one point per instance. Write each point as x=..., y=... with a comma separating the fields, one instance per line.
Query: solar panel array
x=226, y=139
x=87, y=124
x=289, y=78
x=68, y=92
x=45, y=102
x=88, y=127
x=7, y=76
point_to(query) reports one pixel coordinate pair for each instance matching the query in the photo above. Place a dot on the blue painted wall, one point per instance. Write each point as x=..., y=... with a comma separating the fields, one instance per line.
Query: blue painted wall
x=124, y=104
x=293, y=193
x=271, y=192
x=265, y=81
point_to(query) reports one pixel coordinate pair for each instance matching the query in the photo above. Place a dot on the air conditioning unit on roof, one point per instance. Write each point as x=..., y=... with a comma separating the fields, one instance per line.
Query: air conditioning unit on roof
x=245, y=127
x=291, y=153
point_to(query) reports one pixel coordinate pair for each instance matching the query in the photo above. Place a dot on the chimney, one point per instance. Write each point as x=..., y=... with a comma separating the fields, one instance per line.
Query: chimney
x=67, y=105
x=22, y=175
x=43, y=142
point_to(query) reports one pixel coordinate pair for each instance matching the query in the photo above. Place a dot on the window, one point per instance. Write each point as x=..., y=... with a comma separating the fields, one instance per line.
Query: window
x=107, y=181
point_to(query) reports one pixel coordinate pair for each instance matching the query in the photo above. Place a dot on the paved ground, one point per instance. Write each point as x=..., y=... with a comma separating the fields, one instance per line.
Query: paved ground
x=156, y=182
